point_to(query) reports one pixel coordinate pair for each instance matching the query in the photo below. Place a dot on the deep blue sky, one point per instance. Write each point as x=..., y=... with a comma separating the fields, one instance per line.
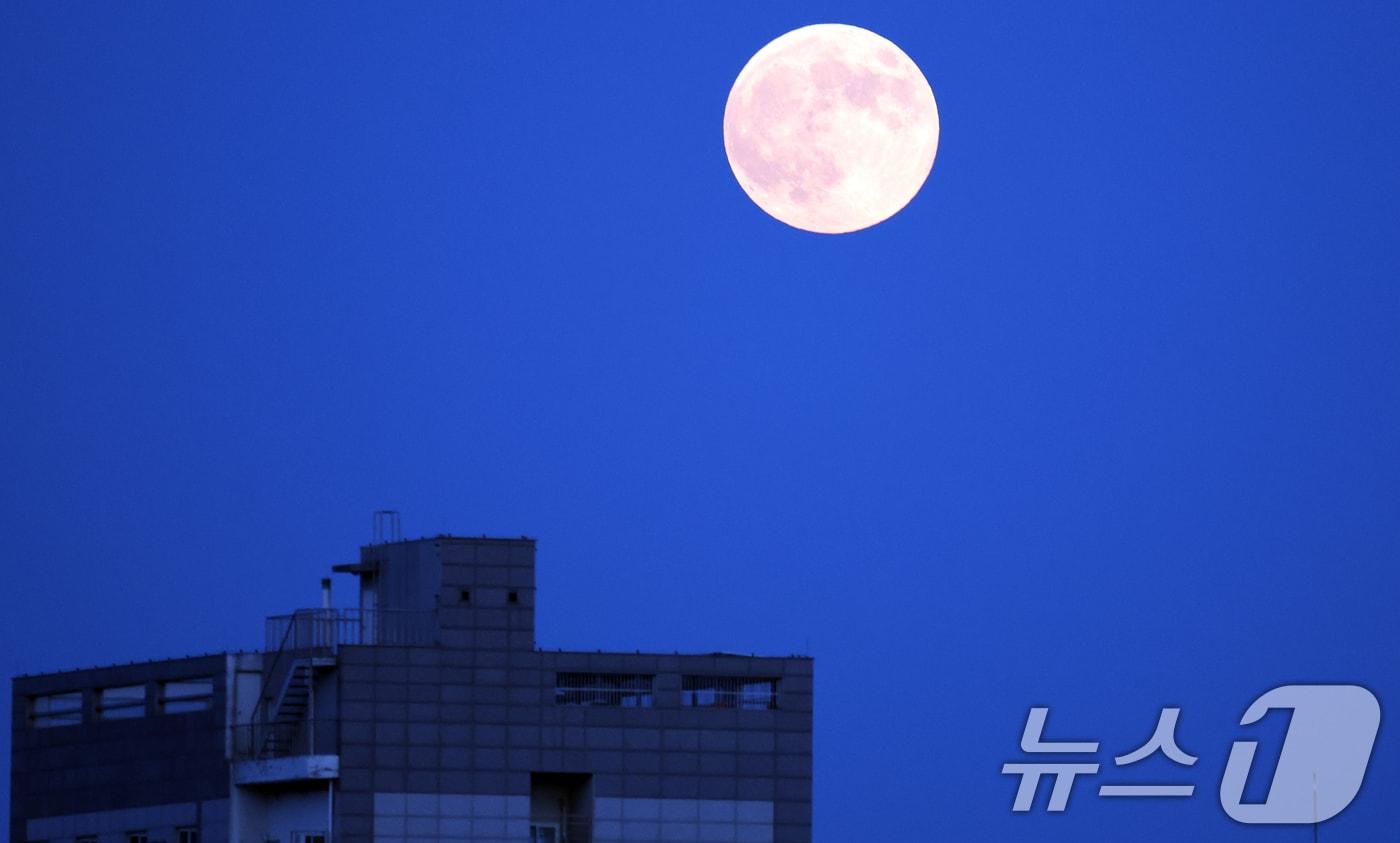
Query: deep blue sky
x=1105, y=420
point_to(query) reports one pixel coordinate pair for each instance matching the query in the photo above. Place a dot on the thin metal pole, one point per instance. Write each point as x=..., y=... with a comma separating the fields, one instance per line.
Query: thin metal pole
x=1314, y=806
x=311, y=706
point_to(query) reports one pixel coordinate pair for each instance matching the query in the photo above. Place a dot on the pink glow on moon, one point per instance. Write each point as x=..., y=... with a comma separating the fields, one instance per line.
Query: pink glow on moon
x=831, y=128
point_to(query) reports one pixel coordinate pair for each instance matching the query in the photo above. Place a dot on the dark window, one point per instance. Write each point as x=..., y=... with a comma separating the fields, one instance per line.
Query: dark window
x=513, y=597
x=627, y=690
x=56, y=710
x=465, y=596
x=183, y=695
x=137, y=837
x=188, y=835
x=729, y=692
x=121, y=703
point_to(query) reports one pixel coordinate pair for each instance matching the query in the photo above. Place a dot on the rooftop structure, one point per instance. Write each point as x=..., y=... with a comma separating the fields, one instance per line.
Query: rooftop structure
x=426, y=714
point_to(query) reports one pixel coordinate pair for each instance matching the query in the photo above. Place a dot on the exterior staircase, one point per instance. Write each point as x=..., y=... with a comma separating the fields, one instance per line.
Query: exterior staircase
x=301, y=647
x=292, y=710
x=285, y=721
x=288, y=735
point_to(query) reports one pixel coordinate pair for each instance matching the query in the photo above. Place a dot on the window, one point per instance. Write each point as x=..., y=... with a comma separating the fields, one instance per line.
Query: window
x=628, y=690
x=544, y=833
x=56, y=710
x=187, y=835
x=121, y=703
x=729, y=692
x=137, y=837
x=183, y=695
x=308, y=837
x=465, y=596
x=513, y=597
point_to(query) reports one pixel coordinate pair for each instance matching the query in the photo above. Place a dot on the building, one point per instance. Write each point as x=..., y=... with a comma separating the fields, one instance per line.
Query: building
x=426, y=714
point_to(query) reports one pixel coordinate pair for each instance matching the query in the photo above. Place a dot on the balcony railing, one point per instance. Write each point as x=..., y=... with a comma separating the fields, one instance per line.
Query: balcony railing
x=327, y=629
x=282, y=739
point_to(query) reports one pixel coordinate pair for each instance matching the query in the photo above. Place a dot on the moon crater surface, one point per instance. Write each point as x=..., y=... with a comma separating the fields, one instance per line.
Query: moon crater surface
x=831, y=128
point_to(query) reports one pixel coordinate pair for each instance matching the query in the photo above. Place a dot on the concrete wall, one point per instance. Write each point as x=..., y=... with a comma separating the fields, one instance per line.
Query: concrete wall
x=468, y=583
x=409, y=576
x=643, y=820
x=480, y=818
x=498, y=818
x=464, y=722
x=492, y=570
x=160, y=822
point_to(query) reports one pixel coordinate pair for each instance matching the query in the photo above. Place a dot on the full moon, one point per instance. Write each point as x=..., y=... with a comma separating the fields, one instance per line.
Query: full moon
x=831, y=128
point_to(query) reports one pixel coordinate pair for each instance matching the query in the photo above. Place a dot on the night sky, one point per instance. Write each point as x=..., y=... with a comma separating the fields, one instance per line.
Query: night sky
x=1107, y=419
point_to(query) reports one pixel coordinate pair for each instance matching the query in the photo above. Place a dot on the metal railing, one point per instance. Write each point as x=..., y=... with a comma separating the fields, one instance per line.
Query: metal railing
x=285, y=738
x=729, y=692
x=327, y=629
x=628, y=690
